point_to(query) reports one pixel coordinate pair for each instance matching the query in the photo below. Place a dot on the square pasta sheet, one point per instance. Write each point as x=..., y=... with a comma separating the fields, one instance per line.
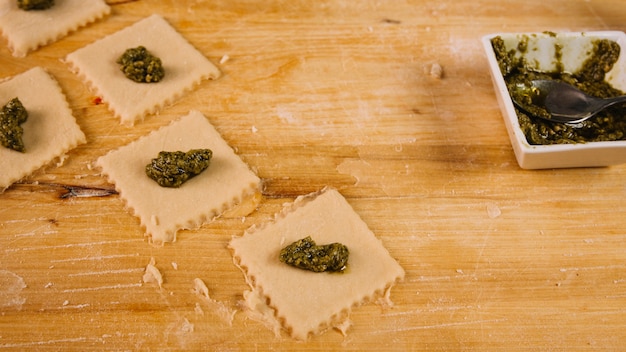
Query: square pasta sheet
x=28, y=30
x=306, y=302
x=185, y=67
x=163, y=211
x=50, y=130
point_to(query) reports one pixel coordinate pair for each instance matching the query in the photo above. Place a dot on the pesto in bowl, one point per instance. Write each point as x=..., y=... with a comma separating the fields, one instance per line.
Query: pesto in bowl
x=589, y=60
x=608, y=125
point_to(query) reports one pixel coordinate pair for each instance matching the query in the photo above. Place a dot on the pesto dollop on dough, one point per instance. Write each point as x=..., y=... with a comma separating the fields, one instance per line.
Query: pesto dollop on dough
x=12, y=115
x=139, y=65
x=29, y=5
x=172, y=169
x=305, y=254
x=608, y=125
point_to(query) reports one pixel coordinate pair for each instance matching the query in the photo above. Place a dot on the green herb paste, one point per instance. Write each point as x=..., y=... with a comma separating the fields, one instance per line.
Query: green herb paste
x=139, y=65
x=609, y=125
x=29, y=5
x=305, y=254
x=172, y=169
x=12, y=115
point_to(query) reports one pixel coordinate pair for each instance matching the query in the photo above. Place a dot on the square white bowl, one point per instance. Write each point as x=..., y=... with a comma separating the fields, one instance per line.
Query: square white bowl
x=575, y=48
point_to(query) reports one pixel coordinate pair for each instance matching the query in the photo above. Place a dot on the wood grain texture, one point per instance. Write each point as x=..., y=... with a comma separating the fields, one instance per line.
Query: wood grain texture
x=333, y=93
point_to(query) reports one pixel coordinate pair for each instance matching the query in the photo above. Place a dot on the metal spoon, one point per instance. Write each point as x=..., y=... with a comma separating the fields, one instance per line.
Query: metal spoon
x=565, y=103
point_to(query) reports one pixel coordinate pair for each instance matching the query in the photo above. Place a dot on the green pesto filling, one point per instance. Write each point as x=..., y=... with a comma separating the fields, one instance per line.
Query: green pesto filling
x=305, y=254
x=139, y=65
x=29, y=5
x=12, y=115
x=172, y=169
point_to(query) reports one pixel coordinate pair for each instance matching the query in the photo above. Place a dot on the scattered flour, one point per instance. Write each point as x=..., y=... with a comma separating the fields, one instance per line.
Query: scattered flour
x=11, y=286
x=198, y=309
x=493, y=210
x=435, y=71
x=285, y=115
x=186, y=326
x=220, y=309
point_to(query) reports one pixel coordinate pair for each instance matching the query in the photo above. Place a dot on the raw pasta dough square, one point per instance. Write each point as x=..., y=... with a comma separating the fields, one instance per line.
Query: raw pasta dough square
x=184, y=66
x=28, y=30
x=50, y=130
x=303, y=301
x=163, y=211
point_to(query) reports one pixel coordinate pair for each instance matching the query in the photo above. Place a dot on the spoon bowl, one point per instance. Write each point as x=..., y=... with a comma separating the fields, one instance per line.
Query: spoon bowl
x=558, y=101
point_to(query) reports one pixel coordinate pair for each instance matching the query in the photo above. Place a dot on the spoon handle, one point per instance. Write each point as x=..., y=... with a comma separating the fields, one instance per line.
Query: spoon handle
x=612, y=101
x=598, y=104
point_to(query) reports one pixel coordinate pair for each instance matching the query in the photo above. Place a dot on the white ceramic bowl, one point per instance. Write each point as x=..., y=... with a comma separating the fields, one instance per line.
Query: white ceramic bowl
x=541, y=52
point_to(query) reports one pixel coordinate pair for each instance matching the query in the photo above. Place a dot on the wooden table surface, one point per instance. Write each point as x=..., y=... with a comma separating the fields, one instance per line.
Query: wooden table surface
x=330, y=93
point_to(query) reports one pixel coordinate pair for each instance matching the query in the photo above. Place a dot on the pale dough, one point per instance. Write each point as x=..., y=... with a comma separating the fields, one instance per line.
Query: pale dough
x=185, y=67
x=306, y=302
x=28, y=30
x=153, y=274
x=50, y=131
x=163, y=211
